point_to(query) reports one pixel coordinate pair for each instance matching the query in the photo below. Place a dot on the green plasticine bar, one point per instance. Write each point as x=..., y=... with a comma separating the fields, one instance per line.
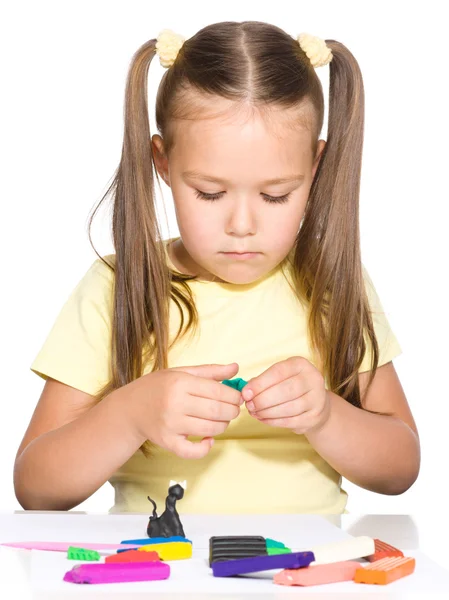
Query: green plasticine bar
x=275, y=547
x=82, y=554
x=272, y=551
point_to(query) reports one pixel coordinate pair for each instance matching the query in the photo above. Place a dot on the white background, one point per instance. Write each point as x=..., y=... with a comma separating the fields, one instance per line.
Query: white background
x=64, y=68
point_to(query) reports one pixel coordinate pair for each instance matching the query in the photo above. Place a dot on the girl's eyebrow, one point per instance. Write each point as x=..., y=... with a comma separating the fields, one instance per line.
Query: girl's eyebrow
x=204, y=177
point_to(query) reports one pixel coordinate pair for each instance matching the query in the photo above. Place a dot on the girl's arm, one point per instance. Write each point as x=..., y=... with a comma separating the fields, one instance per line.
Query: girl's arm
x=72, y=448
x=376, y=452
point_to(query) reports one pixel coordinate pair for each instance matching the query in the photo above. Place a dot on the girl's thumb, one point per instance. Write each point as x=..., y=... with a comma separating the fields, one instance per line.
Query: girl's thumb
x=213, y=371
x=188, y=449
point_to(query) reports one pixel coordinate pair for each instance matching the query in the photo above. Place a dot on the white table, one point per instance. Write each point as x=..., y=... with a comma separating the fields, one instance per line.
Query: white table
x=22, y=571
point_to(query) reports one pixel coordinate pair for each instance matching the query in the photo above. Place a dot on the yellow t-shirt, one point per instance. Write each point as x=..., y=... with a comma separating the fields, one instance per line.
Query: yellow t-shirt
x=252, y=467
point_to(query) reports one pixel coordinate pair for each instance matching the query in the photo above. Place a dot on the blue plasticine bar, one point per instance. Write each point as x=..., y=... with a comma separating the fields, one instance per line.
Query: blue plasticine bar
x=157, y=540
x=240, y=566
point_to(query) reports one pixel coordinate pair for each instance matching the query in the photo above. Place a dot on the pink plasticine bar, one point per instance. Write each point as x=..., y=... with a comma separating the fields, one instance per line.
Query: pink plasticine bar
x=69, y=577
x=64, y=546
x=118, y=572
x=318, y=574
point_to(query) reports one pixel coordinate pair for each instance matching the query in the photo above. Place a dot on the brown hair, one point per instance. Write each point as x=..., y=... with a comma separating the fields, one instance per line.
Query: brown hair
x=257, y=64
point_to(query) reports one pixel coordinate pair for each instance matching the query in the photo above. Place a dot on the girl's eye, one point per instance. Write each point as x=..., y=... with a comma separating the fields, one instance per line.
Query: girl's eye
x=271, y=199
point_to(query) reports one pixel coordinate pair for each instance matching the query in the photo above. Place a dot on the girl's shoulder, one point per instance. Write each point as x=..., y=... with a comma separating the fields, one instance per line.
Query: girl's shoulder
x=97, y=282
x=108, y=258
x=103, y=268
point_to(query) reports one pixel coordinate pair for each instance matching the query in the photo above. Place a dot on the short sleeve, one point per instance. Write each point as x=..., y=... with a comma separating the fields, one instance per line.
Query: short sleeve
x=77, y=348
x=389, y=346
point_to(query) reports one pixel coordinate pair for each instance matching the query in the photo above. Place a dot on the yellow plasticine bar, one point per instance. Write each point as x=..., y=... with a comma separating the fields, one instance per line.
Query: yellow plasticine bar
x=170, y=550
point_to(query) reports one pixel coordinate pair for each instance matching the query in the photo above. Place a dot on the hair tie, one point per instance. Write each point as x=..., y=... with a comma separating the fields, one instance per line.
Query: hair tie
x=316, y=49
x=169, y=43
x=167, y=46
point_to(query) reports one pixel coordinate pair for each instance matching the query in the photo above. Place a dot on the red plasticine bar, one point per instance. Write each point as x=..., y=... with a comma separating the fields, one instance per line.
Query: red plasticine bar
x=132, y=556
x=383, y=550
x=385, y=570
x=318, y=574
x=118, y=572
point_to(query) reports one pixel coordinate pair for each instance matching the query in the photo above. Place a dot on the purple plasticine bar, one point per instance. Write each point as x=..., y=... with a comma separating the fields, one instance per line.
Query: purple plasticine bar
x=118, y=572
x=239, y=566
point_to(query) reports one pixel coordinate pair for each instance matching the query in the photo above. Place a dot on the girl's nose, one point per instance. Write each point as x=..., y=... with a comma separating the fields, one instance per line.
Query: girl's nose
x=242, y=218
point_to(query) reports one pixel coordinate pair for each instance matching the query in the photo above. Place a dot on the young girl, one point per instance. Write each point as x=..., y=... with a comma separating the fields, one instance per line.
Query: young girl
x=265, y=283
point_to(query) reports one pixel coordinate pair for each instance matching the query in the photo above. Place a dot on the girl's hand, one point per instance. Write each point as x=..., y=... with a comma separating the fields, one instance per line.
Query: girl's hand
x=290, y=394
x=168, y=405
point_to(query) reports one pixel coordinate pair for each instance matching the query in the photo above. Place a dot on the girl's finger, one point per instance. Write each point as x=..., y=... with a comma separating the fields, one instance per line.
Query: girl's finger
x=285, y=391
x=286, y=423
x=293, y=408
x=299, y=423
x=211, y=410
x=203, y=428
x=275, y=374
x=215, y=390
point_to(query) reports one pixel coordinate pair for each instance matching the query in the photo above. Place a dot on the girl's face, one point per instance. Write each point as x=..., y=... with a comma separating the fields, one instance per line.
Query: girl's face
x=233, y=161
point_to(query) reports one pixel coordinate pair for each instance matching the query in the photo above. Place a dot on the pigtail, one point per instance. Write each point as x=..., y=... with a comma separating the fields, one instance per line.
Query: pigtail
x=328, y=259
x=143, y=282
x=140, y=264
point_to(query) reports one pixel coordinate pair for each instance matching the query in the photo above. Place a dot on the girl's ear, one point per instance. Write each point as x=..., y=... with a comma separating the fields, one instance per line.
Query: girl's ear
x=161, y=161
x=320, y=148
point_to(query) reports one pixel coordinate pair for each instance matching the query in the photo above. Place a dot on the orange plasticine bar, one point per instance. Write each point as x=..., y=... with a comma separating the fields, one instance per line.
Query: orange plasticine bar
x=383, y=550
x=318, y=574
x=385, y=570
x=132, y=556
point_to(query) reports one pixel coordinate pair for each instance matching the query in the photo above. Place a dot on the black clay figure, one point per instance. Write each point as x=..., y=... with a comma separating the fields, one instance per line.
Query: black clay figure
x=168, y=524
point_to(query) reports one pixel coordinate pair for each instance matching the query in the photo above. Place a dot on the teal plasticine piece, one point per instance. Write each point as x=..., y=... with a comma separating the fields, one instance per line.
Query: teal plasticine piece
x=238, y=383
x=274, y=543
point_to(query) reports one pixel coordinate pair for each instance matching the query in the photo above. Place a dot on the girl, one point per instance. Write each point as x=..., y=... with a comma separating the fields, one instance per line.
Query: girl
x=264, y=281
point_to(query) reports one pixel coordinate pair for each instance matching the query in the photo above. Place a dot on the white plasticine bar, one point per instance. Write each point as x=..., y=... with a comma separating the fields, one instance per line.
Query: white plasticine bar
x=358, y=547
